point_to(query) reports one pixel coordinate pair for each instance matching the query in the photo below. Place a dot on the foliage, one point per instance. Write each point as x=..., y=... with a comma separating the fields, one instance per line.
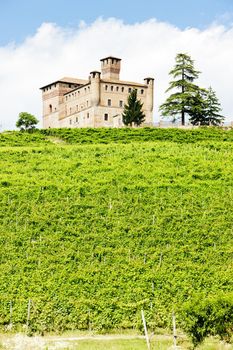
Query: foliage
x=17, y=138
x=110, y=135
x=184, y=74
x=91, y=233
x=133, y=114
x=129, y=135
x=26, y=121
x=205, y=108
x=212, y=316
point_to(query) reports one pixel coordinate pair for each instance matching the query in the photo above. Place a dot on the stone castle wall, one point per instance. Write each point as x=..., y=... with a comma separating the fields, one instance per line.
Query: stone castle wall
x=97, y=102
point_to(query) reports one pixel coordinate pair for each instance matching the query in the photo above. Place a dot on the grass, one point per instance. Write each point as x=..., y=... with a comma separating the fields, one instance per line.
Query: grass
x=92, y=233
x=210, y=344
x=158, y=342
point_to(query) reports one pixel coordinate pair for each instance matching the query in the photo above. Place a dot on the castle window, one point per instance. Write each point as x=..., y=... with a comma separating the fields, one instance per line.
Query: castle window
x=142, y=91
x=70, y=121
x=50, y=108
x=130, y=90
x=106, y=116
x=122, y=89
x=88, y=115
x=111, y=88
x=106, y=87
x=87, y=103
x=77, y=108
x=85, y=90
x=109, y=103
x=66, y=98
x=88, y=88
x=70, y=85
x=76, y=119
x=121, y=104
x=55, y=85
x=117, y=88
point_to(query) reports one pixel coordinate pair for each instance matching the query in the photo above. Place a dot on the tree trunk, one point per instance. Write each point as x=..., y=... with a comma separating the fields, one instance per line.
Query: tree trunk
x=182, y=112
x=182, y=117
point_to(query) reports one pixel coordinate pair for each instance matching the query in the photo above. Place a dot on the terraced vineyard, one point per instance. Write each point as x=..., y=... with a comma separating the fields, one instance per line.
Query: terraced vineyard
x=112, y=221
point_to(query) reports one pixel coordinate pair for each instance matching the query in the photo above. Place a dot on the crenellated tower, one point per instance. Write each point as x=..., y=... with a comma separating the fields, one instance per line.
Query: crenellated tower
x=110, y=68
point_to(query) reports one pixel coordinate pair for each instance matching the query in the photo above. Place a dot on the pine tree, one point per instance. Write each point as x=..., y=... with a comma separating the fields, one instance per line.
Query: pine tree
x=213, y=108
x=198, y=107
x=206, y=108
x=133, y=113
x=179, y=102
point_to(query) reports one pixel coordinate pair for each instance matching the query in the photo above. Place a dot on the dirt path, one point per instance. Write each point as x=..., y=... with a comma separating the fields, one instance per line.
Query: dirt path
x=23, y=342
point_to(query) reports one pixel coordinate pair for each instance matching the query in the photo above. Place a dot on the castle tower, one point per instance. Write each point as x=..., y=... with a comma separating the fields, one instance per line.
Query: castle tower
x=110, y=68
x=95, y=87
x=149, y=103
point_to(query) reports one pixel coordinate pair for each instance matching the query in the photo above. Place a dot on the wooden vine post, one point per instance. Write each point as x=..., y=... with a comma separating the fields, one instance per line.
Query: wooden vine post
x=174, y=330
x=28, y=312
x=145, y=330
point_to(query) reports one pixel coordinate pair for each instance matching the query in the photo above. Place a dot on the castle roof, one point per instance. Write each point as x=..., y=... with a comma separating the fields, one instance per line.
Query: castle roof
x=73, y=80
x=122, y=82
x=67, y=80
x=111, y=57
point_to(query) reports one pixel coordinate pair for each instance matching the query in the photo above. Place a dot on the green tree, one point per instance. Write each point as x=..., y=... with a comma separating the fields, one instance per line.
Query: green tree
x=179, y=103
x=206, y=109
x=198, y=107
x=210, y=316
x=133, y=113
x=26, y=121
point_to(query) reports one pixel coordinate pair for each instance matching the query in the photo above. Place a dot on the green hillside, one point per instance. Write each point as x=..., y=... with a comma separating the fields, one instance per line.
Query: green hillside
x=112, y=221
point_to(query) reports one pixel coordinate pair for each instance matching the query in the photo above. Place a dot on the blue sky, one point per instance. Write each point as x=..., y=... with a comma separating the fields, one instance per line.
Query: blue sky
x=21, y=18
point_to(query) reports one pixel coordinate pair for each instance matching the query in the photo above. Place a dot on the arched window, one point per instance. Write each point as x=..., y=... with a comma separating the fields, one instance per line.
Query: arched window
x=50, y=108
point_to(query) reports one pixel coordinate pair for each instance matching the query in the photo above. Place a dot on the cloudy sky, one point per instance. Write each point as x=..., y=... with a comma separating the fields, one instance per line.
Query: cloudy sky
x=42, y=41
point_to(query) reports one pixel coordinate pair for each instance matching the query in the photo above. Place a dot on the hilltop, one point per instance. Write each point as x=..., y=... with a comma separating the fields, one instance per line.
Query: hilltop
x=107, y=222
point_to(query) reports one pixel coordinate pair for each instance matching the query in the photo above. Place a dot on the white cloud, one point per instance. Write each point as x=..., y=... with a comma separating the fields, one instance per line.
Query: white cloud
x=147, y=48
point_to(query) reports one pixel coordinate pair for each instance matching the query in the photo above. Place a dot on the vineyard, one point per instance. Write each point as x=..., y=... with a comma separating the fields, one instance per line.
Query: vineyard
x=98, y=224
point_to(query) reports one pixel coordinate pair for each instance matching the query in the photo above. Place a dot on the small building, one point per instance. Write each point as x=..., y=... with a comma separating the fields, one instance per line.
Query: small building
x=96, y=102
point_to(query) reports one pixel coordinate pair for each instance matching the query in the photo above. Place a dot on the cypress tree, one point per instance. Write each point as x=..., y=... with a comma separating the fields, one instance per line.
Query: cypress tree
x=133, y=113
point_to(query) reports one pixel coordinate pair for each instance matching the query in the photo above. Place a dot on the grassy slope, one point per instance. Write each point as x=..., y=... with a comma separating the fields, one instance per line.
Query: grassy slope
x=92, y=233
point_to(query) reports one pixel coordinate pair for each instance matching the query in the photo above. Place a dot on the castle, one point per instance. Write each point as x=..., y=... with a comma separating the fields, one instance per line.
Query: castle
x=96, y=102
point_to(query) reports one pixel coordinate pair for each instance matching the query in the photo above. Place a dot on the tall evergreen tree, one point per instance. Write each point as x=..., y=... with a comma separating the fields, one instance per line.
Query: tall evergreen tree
x=198, y=106
x=206, y=108
x=213, y=108
x=133, y=113
x=184, y=74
